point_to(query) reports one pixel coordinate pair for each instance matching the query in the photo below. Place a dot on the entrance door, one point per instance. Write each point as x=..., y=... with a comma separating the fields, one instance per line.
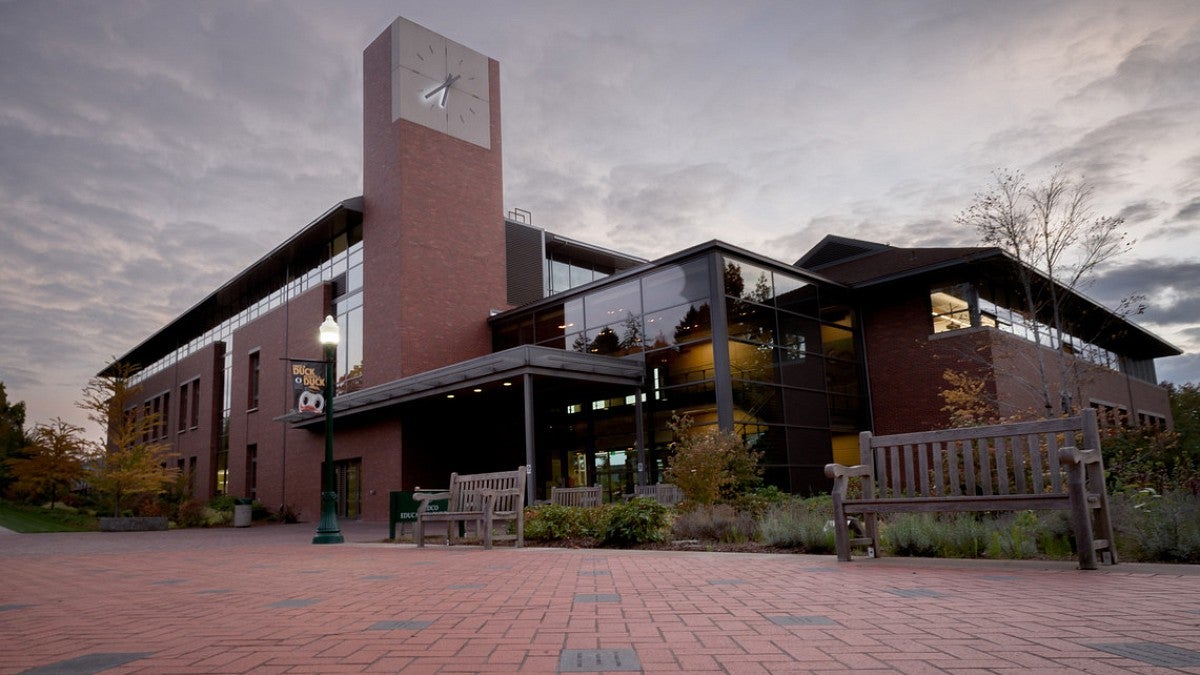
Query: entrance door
x=615, y=473
x=349, y=488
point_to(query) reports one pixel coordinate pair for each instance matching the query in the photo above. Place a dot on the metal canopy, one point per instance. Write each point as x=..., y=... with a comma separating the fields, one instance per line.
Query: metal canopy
x=508, y=364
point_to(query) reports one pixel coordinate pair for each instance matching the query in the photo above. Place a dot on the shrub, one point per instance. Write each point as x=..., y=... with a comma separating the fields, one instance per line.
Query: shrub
x=913, y=534
x=551, y=522
x=719, y=522
x=1014, y=536
x=965, y=536
x=190, y=513
x=637, y=521
x=795, y=522
x=757, y=502
x=1158, y=528
x=711, y=464
x=222, y=503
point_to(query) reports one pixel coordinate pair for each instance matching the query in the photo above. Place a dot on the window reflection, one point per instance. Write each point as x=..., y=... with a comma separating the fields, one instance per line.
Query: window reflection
x=677, y=324
x=676, y=285
x=612, y=304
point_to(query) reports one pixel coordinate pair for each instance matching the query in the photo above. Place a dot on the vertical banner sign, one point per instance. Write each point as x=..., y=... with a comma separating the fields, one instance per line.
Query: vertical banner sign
x=308, y=386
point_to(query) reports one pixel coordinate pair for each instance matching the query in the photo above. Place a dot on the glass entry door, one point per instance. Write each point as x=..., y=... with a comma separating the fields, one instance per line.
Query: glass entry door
x=615, y=473
x=349, y=488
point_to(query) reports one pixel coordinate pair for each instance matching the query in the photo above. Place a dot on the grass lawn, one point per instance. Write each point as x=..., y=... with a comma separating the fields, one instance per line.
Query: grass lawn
x=21, y=518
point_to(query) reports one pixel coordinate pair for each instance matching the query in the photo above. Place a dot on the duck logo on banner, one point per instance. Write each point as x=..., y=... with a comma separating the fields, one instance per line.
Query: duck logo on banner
x=308, y=386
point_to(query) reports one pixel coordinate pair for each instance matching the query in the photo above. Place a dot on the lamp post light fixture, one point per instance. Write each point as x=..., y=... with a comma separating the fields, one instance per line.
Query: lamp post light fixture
x=328, y=531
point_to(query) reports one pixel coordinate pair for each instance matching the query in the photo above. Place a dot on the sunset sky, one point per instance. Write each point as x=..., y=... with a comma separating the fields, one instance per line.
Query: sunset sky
x=151, y=150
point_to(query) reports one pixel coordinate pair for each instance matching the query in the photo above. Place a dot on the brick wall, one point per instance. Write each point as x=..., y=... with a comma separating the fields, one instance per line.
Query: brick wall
x=433, y=233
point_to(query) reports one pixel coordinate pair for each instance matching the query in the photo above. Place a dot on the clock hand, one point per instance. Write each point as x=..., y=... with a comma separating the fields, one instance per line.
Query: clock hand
x=444, y=88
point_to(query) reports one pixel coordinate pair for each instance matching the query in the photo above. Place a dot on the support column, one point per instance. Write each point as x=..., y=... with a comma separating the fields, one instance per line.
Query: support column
x=531, y=472
x=640, y=440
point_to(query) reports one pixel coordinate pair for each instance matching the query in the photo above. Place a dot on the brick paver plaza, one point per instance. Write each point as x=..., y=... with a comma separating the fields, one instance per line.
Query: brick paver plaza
x=264, y=599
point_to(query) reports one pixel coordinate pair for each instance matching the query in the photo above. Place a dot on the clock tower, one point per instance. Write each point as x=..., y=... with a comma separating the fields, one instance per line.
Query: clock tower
x=433, y=226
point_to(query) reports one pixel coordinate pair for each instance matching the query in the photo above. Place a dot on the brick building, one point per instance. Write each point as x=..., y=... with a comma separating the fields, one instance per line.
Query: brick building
x=472, y=341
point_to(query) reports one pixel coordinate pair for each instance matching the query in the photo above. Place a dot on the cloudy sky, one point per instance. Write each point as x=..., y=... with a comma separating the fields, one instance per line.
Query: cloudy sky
x=151, y=150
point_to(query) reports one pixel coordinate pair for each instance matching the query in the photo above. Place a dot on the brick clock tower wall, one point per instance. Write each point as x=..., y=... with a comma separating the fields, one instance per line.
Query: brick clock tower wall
x=433, y=232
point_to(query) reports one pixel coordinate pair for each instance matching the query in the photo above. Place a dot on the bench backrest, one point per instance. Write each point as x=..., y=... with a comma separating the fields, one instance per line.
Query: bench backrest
x=664, y=493
x=465, y=495
x=576, y=496
x=1002, y=459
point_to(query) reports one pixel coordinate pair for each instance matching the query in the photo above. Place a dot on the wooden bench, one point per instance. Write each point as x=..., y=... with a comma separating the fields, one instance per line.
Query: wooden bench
x=576, y=496
x=663, y=493
x=483, y=499
x=1047, y=464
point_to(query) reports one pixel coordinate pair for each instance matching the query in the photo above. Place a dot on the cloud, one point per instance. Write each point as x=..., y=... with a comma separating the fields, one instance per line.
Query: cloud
x=1190, y=212
x=1171, y=289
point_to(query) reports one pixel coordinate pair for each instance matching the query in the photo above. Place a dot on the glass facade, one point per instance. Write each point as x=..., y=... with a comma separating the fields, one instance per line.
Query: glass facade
x=781, y=367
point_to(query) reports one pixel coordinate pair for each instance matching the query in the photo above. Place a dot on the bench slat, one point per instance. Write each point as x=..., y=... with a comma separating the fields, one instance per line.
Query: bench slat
x=1002, y=466
x=938, y=458
x=923, y=468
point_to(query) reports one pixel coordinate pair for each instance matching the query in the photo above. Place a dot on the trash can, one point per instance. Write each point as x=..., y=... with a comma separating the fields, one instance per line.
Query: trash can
x=242, y=513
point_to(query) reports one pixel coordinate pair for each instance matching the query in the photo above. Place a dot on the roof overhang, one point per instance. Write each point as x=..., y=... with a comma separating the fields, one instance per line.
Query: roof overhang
x=498, y=367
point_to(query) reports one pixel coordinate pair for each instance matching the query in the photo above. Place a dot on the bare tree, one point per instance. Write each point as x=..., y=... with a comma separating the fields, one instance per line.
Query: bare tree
x=1050, y=228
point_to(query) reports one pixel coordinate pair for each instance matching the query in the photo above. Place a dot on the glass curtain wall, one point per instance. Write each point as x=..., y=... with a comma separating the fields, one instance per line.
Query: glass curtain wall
x=793, y=364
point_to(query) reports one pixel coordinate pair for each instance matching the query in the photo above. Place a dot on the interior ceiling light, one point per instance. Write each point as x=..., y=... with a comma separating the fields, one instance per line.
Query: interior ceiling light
x=449, y=395
x=508, y=384
x=477, y=390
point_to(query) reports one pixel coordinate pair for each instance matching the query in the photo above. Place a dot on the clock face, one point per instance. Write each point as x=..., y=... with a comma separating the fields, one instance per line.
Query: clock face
x=439, y=84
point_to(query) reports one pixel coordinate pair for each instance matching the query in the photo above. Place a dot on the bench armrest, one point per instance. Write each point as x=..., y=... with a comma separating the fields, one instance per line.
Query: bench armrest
x=841, y=475
x=1073, y=455
x=426, y=497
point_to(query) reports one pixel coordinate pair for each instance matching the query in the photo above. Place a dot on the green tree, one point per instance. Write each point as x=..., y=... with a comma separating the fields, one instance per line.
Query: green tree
x=710, y=464
x=1185, y=410
x=126, y=462
x=12, y=435
x=53, y=461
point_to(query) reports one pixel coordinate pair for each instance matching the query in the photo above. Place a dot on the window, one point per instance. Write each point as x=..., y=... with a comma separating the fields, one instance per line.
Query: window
x=252, y=471
x=195, y=403
x=951, y=310
x=183, y=406
x=164, y=424
x=254, y=373
x=222, y=471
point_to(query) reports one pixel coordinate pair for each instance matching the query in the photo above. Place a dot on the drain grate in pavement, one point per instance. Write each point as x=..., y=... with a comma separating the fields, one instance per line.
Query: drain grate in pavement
x=1153, y=653
x=9, y=608
x=465, y=587
x=1001, y=577
x=598, y=660
x=916, y=593
x=400, y=625
x=214, y=591
x=595, y=573
x=378, y=577
x=88, y=664
x=169, y=582
x=820, y=569
x=498, y=567
x=597, y=597
x=795, y=620
x=294, y=602
x=726, y=582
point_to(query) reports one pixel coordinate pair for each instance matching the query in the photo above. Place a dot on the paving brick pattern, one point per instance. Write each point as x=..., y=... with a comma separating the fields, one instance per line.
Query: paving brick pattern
x=252, y=600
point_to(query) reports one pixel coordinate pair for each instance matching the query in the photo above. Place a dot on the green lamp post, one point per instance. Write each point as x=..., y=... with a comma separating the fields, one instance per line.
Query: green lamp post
x=328, y=531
